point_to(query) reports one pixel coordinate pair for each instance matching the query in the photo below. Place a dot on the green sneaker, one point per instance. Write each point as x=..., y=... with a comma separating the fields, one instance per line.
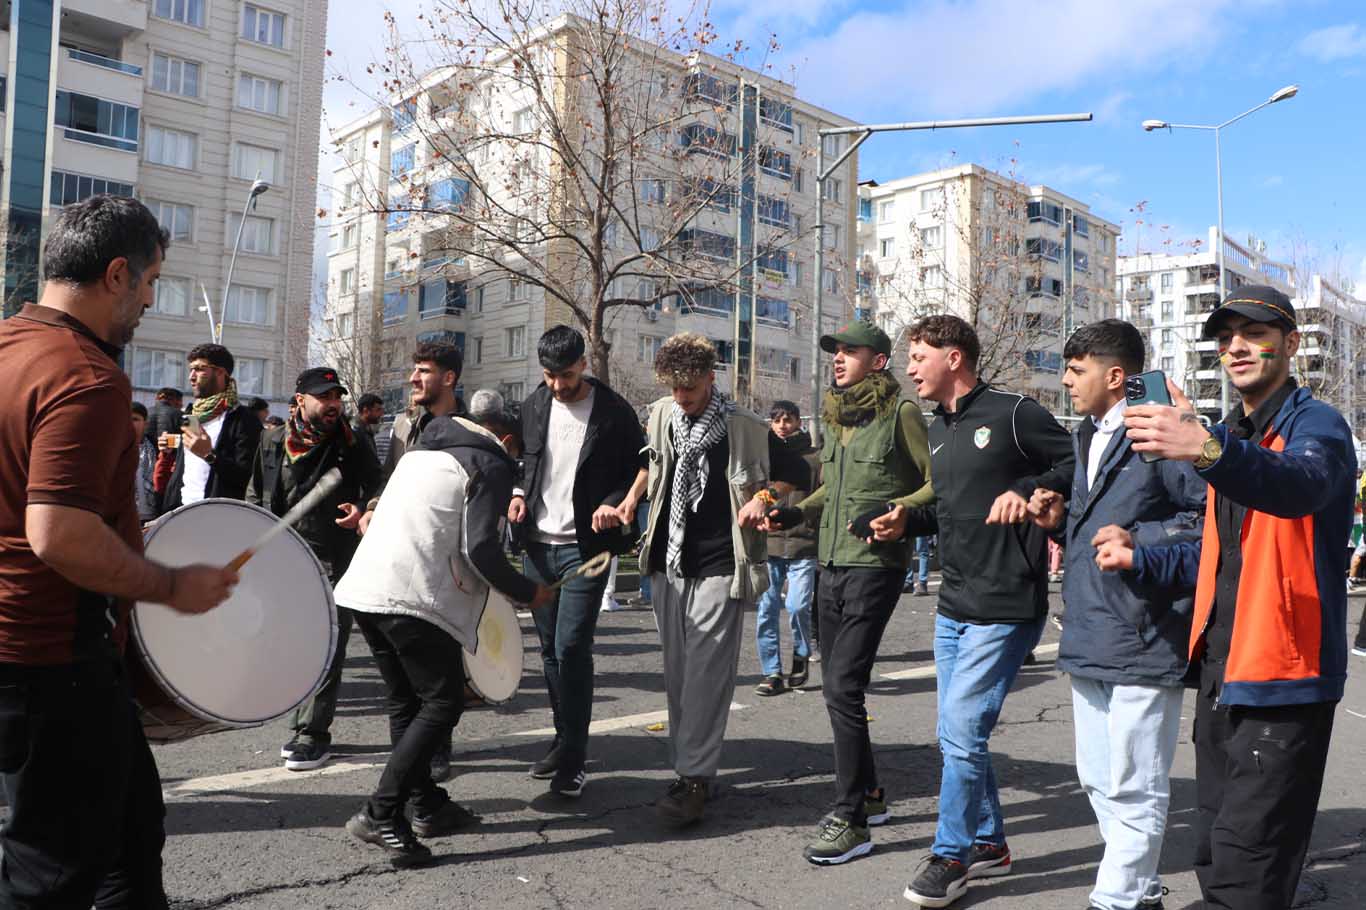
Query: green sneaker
x=875, y=808
x=837, y=841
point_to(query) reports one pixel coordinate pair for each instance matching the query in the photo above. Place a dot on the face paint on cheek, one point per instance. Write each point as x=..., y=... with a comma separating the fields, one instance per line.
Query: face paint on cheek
x=1267, y=352
x=1223, y=353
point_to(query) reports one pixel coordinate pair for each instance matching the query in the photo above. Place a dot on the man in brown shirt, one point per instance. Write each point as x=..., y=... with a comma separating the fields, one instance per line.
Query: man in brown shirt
x=86, y=817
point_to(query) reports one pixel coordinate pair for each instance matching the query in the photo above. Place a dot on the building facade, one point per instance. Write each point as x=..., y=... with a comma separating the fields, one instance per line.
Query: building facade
x=450, y=223
x=184, y=104
x=1024, y=264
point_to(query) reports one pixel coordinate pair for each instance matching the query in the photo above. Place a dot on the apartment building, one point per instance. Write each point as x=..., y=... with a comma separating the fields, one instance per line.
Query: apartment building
x=1025, y=264
x=184, y=104
x=449, y=225
x=1169, y=296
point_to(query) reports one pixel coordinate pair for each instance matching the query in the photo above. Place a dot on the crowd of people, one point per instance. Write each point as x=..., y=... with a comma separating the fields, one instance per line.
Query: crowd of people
x=1205, y=557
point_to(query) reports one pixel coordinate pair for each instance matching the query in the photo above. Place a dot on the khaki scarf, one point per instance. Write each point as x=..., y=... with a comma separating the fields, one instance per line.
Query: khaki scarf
x=872, y=396
x=211, y=406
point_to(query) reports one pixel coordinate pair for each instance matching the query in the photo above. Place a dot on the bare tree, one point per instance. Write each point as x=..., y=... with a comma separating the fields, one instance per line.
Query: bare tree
x=353, y=351
x=584, y=151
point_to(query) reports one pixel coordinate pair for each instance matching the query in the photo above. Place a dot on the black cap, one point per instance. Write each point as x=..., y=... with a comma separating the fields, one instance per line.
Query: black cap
x=1258, y=302
x=858, y=334
x=318, y=380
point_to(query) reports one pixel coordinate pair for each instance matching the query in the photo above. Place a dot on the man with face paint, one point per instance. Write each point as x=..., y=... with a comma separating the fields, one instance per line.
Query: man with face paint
x=1268, y=646
x=290, y=461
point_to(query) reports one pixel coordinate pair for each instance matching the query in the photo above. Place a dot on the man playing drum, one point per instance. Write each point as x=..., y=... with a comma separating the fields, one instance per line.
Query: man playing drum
x=86, y=820
x=419, y=584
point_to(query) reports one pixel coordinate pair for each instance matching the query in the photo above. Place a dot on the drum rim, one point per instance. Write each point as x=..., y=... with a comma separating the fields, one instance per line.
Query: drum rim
x=490, y=603
x=150, y=664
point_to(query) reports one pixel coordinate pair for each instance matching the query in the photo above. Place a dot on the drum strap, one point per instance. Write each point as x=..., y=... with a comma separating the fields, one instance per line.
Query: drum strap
x=96, y=617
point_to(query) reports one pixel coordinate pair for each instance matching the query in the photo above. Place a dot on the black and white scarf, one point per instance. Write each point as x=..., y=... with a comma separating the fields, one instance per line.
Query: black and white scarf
x=692, y=437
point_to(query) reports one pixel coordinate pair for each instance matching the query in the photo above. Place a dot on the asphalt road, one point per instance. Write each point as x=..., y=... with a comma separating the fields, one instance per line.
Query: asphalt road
x=245, y=833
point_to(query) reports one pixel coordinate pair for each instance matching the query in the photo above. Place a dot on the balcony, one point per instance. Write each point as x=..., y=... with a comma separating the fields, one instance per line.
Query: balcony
x=1139, y=295
x=110, y=18
x=108, y=63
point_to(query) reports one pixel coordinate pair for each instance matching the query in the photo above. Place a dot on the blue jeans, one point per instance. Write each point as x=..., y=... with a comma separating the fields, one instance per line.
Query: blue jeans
x=801, y=579
x=975, y=665
x=566, y=628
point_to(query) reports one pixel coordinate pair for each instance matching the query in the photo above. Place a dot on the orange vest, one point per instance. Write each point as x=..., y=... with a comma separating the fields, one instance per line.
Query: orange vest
x=1278, y=620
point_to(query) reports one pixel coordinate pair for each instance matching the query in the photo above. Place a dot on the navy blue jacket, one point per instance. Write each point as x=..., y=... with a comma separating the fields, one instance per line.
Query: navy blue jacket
x=1117, y=629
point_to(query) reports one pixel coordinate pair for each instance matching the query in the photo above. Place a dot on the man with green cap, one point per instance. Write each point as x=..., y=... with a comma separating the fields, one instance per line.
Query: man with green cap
x=875, y=454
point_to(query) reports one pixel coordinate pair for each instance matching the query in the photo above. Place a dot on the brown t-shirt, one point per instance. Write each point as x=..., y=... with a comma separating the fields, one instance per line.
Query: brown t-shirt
x=65, y=439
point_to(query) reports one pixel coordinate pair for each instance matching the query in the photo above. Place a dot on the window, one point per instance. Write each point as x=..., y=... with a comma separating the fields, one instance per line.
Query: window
x=1081, y=226
x=346, y=281
x=171, y=147
x=1045, y=211
x=518, y=290
x=773, y=263
x=649, y=239
x=698, y=139
x=153, y=368
x=831, y=146
x=171, y=74
x=832, y=236
x=707, y=244
x=402, y=115
x=1168, y=310
x=263, y=26
x=649, y=348
x=440, y=298
x=774, y=211
x=931, y=237
x=250, y=374
x=395, y=307
x=514, y=341
x=444, y=336
x=719, y=196
x=652, y=190
x=931, y=198
x=523, y=121
x=254, y=162
x=172, y=296
x=775, y=113
x=402, y=160
x=353, y=150
x=513, y=391
x=832, y=190
x=798, y=273
x=96, y=121
x=477, y=353
x=258, y=234
x=1046, y=249
x=1080, y=261
x=1168, y=337
x=346, y=324
x=797, y=180
x=1166, y=278
x=886, y=211
x=256, y=93
x=772, y=312
x=932, y=277
x=400, y=213
x=707, y=300
x=774, y=162
x=478, y=304
x=348, y=237
x=887, y=247
x=65, y=188
x=178, y=220
x=704, y=87
x=1169, y=365
x=189, y=12
x=830, y=281
x=251, y=306
x=1038, y=285
x=447, y=195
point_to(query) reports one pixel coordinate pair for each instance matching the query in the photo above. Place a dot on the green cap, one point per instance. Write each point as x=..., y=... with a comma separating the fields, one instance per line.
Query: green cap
x=858, y=334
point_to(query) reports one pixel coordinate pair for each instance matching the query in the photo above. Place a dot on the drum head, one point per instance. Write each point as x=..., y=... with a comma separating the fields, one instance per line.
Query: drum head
x=495, y=670
x=264, y=650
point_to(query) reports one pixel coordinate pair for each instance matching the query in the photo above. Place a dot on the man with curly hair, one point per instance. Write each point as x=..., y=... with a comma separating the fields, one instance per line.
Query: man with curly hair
x=712, y=473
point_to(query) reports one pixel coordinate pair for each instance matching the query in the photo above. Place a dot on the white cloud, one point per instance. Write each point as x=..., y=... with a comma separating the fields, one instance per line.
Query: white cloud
x=1337, y=42
x=1273, y=181
x=1069, y=177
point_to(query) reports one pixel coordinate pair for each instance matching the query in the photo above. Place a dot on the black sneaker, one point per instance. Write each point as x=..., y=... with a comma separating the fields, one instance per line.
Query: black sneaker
x=989, y=861
x=545, y=768
x=392, y=836
x=799, y=675
x=922, y=589
x=308, y=755
x=771, y=685
x=566, y=784
x=288, y=748
x=441, y=764
x=939, y=884
x=448, y=819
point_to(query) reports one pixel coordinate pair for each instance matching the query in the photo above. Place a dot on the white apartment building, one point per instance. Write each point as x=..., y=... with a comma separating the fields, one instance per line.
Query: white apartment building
x=1332, y=356
x=1169, y=296
x=182, y=103
x=397, y=277
x=1025, y=264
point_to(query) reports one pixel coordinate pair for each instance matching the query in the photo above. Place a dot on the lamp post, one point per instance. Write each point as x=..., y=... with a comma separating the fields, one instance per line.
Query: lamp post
x=258, y=187
x=1282, y=94
x=823, y=172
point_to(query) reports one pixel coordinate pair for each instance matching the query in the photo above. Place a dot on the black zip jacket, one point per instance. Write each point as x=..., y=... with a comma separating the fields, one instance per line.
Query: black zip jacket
x=234, y=453
x=993, y=442
x=608, y=463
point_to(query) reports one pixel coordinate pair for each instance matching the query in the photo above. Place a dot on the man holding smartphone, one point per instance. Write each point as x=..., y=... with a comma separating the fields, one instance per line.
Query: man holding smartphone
x=1124, y=644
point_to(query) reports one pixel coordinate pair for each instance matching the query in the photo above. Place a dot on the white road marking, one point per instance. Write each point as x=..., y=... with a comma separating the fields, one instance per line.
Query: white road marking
x=1355, y=714
x=928, y=672
x=619, y=723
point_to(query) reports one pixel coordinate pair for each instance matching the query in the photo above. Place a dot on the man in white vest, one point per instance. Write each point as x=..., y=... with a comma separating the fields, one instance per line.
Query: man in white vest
x=419, y=584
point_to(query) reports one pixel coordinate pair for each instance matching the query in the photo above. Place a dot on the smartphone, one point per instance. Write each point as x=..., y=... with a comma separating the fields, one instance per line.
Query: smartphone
x=191, y=421
x=1148, y=388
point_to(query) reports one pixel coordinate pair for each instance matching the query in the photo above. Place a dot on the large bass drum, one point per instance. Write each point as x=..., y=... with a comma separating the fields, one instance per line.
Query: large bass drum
x=494, y=669
x=253, y=658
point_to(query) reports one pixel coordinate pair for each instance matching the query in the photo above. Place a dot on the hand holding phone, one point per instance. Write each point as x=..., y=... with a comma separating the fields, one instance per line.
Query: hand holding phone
x=1148, y=388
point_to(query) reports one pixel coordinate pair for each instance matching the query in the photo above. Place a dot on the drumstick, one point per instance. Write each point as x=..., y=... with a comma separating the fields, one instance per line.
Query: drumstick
x=326, y=484
x=593, y=568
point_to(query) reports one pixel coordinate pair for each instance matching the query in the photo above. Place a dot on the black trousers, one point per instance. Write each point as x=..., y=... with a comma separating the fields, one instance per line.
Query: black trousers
x=87, y=822
x=1258, y=773
x=425, y=679
x=855, y=604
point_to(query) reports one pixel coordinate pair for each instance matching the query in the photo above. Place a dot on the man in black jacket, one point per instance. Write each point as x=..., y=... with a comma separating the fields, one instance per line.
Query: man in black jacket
x=164, y=415
x=564, y=515
x=989, y=451
x=288, y=464
x=215, y=459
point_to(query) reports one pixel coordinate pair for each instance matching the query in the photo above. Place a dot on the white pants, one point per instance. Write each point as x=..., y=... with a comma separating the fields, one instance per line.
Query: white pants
x=1126, y=739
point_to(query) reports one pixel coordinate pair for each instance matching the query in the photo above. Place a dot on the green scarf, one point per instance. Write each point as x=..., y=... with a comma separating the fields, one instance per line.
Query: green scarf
x=211, y=406
x=872, y=396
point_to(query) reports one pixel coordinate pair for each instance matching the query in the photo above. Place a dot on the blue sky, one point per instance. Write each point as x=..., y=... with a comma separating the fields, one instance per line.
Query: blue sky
x=1293, y=172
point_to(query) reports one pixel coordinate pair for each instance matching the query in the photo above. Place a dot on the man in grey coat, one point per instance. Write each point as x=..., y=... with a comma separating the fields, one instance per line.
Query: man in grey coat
x=1124, y=644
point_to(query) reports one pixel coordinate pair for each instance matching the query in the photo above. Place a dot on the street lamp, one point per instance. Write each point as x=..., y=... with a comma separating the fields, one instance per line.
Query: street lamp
x=1289, y=91
x=258, y=187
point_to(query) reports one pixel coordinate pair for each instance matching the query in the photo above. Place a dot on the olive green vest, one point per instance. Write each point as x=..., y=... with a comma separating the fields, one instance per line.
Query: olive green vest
x=867, y=472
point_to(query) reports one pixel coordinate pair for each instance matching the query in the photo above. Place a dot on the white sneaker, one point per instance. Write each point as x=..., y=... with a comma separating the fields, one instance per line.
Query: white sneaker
x=610, y=605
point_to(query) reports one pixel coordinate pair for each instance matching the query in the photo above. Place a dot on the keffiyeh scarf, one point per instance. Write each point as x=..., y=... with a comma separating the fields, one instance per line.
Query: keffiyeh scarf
x=211, y=406
x=301, y=436
x=692, y=437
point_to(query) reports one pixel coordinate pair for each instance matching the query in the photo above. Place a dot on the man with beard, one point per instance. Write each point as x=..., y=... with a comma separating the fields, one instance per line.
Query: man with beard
x=369, y=414
x=214, y=458
x=288, y=464
x=874, y=456
x=85, y=823
x=791, y=559
x=565, y=514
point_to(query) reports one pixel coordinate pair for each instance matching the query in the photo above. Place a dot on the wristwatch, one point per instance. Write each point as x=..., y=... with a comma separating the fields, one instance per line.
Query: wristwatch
x=1210, y=452
x=210, y=458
